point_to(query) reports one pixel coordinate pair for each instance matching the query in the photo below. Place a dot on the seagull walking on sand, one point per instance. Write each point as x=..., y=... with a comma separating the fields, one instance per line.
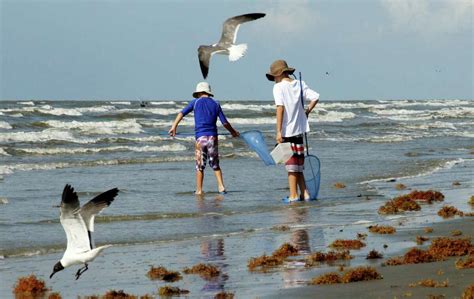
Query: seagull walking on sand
x=226, y=45
x=78, y=223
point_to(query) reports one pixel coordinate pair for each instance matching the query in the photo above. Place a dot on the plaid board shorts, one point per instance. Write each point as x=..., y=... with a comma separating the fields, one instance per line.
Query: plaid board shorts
x=296, y=162
x=206, y=147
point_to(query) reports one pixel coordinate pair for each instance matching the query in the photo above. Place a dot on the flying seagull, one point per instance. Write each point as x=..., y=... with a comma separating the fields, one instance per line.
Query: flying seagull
x=78, y=223
x=226, y=45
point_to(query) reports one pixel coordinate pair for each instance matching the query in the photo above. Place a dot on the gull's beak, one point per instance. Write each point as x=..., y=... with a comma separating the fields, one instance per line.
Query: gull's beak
x=52, y=275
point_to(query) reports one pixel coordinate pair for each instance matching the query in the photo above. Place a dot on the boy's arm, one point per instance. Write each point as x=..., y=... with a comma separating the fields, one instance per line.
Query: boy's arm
x=232, y=131
x=279, y=115
x=311, y=106
x=226, y=123
x=172, y=131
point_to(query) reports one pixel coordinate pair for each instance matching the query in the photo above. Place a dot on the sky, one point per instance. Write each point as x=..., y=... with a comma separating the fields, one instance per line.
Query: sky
x=144, y=49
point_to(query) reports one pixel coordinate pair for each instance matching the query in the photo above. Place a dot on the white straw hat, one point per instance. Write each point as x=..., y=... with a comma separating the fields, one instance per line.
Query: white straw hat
x=203, y=87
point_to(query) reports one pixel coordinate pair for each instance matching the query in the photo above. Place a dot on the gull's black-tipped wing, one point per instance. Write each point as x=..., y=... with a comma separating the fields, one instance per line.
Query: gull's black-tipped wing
x=231, y=27
x=96, y=205
x=204, y=54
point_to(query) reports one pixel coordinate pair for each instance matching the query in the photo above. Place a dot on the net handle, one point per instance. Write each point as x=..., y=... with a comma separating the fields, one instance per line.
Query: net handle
x=302, y=104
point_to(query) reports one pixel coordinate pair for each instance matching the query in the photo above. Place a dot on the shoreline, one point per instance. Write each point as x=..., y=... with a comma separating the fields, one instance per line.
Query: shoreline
x=396, y=279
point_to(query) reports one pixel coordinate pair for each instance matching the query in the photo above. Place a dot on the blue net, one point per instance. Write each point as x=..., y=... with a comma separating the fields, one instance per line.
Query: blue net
x=255, y=141
x=312, y=175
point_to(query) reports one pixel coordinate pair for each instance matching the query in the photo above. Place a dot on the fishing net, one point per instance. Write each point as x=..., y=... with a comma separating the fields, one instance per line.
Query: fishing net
x=255, y=141
x=312, y=175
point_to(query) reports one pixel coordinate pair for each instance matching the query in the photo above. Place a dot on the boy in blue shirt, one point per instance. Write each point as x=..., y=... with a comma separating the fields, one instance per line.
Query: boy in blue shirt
x=206, y=111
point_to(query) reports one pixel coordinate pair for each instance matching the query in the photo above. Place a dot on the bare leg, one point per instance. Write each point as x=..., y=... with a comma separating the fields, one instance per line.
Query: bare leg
x=293, y=184
x=220, y=180
x=303, y=191
x=199, y=180
x=79, y=272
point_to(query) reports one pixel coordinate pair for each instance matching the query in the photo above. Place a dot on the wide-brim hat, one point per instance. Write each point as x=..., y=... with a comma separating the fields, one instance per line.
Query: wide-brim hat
x=203, y=87
x=277, y=68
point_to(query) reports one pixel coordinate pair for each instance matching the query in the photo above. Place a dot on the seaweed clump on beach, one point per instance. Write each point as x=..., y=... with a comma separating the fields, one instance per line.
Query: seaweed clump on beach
x=399, y=204
x=451, y=247
x=54, y=295
x=468, y=263
x=112, y=294
x=29, y=287
x=339, y=185
x=347, y=244
x=428, y=230
x=171, y=291
x=352, y=275
x=426, y=196
x=277, y=258
x=413, y=256
x=328, y=278
x=471, y=201
x=224, y=295
x=430, y=283
x=382, y=229
x=439, y=249
x=264, y=262
x=468, y=292
x=361, y=274
x=206, y=271
x=318, y=257
x=374, y=254
x=285, y=251
x=449, y=211
x=162, y=273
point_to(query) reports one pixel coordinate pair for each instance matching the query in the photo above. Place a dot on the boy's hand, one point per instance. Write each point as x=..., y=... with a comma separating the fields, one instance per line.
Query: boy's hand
x=279, y=139
x=172, y=132
x=235, y=133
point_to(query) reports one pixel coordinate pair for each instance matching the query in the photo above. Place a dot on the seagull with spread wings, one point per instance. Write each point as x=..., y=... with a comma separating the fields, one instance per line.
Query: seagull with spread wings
x=226, y=45
x=78, y=223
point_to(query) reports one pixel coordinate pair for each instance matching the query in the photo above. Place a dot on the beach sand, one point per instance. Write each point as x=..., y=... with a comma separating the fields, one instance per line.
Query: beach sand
x=396, y=279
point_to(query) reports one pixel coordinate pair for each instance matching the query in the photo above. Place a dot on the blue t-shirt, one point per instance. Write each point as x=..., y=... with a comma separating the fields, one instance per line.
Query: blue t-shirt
x=206, y=111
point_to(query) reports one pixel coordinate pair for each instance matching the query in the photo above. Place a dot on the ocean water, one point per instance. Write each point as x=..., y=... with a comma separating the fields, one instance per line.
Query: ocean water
x=156, y=219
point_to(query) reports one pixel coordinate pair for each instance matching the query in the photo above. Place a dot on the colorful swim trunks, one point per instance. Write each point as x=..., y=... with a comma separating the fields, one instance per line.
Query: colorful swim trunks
x=206, y=147
x=296, y=162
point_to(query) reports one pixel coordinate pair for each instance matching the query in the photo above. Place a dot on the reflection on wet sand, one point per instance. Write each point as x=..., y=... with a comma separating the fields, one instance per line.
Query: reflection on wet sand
x=212, y=249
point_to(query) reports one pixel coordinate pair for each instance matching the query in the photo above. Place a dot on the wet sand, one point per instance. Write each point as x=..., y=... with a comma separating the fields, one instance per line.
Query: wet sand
x=396, y=279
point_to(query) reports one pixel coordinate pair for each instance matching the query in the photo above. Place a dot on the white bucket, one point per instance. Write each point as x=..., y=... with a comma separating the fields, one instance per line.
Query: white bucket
x=282, y=153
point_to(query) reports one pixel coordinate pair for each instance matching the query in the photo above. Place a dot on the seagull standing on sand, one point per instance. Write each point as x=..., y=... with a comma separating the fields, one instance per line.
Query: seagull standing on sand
x=226, y=45
x=78, y=223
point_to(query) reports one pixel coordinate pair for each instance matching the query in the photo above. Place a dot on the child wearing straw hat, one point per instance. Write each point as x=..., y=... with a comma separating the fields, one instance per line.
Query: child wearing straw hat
x=206, y=111
x=292, y=122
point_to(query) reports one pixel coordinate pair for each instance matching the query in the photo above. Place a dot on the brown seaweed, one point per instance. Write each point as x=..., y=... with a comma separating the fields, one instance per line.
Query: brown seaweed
x=413, y=256
x=467, y=263
x=347, y=244
x=468, y=292
x=224, y=295
x=285, y=251
x=29, y=286
x=408, y=202
x=206, y=271
x=162, y=273
x=264, y=262
x=374, y=254
x=318, y=257
x=327, y=278
x=170, y=291
x=382, y=229
x=449, y=211
x=361, y=274
x=339, y=185
x=430, y=283
x=456, y=233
